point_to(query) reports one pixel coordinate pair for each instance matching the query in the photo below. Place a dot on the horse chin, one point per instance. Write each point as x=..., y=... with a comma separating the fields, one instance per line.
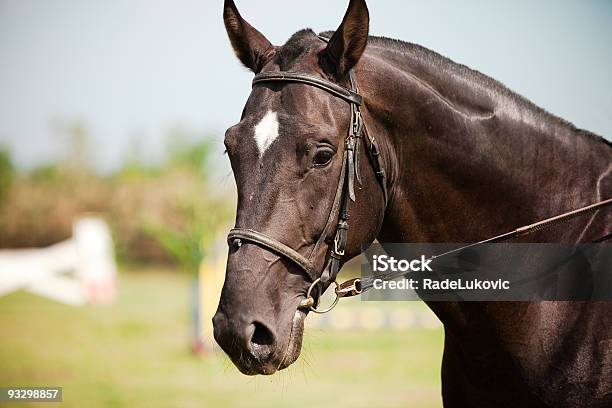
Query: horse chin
x=295, y=339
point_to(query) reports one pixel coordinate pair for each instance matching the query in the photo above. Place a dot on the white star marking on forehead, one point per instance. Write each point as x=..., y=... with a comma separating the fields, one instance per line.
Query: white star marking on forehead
x=266, y=132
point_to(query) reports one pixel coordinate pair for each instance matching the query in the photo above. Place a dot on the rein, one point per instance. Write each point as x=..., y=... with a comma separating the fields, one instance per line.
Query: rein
x=345, y=193
x=356, y=286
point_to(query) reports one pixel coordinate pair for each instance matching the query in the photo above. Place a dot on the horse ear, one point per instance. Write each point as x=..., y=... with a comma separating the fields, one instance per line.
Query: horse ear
x=349, y=41
x=250, y=46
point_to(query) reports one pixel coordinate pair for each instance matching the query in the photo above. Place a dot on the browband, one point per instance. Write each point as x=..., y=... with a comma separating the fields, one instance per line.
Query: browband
x=331, y=87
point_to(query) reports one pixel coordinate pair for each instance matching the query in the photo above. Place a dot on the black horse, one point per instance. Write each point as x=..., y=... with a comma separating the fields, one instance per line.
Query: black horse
x=465, y=159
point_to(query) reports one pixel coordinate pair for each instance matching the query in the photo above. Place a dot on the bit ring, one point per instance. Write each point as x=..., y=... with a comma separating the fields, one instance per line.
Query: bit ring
x=309, y=302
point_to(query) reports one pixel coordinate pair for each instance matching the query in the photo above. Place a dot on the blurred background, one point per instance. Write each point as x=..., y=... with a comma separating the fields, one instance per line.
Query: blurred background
x=115, y=195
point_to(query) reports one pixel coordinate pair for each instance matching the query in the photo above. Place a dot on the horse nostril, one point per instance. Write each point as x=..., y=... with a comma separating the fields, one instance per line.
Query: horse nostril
x=262, y=336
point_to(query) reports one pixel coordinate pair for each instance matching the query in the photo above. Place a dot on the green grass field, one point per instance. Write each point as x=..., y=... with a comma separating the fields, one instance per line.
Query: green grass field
x=136, y=354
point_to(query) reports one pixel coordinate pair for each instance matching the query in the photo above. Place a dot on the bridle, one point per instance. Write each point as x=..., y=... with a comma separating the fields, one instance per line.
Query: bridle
x=345, y=192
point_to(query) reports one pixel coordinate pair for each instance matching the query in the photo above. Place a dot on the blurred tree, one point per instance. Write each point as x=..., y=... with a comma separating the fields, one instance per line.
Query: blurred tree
x=78, y=147
x=193, y=213
x=159, y=213
x=134, y=167
x=46, y=173
x=7, y=173
x=196, y=225
x=189, y=151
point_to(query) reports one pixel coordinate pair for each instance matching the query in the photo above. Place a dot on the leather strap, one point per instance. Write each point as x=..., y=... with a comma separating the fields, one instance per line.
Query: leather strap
x=273, y=245
x=334, y=210
x=374, y=155
x=331, y=87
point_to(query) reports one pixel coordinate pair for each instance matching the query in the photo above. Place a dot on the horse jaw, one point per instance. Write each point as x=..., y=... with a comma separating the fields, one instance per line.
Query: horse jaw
x=295, y=340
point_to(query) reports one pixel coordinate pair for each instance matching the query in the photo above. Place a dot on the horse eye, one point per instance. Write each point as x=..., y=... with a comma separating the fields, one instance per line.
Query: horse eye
x=323, y=157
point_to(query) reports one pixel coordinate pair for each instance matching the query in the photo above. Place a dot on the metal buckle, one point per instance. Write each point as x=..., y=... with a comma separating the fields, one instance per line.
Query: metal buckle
x=351, y=287
x=336, y=250
x=356, y=122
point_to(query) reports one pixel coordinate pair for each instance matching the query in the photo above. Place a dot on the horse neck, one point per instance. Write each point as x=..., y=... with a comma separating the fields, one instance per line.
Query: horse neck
x=467, y=159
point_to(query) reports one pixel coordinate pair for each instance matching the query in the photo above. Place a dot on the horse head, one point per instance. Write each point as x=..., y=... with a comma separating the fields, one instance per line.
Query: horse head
x=289, y=159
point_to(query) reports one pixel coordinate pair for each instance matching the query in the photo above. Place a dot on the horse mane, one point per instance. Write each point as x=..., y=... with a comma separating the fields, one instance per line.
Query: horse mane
x=417, y=52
